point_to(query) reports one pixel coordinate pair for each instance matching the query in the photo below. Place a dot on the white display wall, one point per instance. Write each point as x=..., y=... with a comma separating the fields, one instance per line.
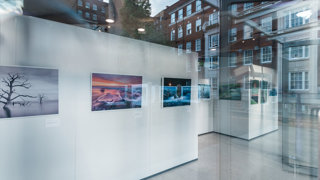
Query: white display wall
x=83, y=145
x=240, y=118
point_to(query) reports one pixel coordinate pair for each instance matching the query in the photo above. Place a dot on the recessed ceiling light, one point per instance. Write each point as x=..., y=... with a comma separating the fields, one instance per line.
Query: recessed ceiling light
x=141, y=30
x=109, y=20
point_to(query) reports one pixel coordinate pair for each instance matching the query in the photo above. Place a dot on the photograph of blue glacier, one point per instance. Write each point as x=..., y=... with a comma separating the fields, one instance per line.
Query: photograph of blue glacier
x=176, y=92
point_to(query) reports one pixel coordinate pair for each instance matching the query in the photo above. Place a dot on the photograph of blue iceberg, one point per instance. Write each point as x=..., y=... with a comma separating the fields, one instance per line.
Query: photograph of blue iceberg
x=176, y=92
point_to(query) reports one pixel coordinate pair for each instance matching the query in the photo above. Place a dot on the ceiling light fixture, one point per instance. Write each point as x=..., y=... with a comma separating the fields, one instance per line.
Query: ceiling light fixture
x=141, y=30
x=109, y=20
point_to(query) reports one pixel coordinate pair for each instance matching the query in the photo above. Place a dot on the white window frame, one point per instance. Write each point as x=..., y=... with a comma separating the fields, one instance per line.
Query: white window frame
x=266, y=24
x=94, y=7
x=173, y=35
x=214, y=18
x=189, y=10
x=247, y=6
x=180, y=14
x=188, y=29
x=173, y=17
x=80, y=3
x=304, y=50
x=245, y=57
x=214, y=60
x=94, y=17
x=198, y=44
x=198, y=5
x=180, y=32
x=234, y=8
x=188, y=47
x=198, y=25
x=288, y=19
x=213, y=41
x=305, y=82
x=233, y=35
x=87, y=15
x=103, y=9
x=247, y=32
x=88, y=5
x=266, y=58
x=232, y=59
x=80, y=13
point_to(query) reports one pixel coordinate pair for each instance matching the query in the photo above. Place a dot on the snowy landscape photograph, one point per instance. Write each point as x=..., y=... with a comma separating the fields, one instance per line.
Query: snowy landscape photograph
x=111, y=91
x=28, y=91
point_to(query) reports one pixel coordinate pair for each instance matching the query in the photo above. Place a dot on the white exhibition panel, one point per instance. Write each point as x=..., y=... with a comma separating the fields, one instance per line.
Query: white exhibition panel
x=240, y=118
x=83, y=145
x=205, y=111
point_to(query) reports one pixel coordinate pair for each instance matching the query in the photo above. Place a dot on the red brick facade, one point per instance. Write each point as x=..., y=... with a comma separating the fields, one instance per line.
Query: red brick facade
x=168, y=27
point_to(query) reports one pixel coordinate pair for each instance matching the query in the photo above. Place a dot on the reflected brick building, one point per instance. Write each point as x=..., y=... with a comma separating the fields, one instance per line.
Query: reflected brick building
x=185, y=23
x=85, y=13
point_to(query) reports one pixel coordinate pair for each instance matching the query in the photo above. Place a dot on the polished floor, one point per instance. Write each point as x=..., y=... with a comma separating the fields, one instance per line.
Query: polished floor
x=227, y=158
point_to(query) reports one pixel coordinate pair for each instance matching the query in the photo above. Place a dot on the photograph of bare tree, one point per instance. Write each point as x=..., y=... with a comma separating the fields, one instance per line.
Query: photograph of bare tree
x=28, y=91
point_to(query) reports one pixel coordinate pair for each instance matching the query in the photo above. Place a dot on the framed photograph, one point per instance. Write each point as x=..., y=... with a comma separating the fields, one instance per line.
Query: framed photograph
x=176, y=92
x=255, y=84
x=26, y=91
x=230, y=92
x=110, y=91
x=204, y=91
x=264, y=92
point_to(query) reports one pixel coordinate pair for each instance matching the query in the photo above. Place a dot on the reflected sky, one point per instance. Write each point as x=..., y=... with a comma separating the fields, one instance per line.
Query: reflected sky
x=159, y=5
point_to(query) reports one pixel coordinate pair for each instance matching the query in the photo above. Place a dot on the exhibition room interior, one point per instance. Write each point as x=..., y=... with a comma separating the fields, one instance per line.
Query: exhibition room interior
x=159, y=89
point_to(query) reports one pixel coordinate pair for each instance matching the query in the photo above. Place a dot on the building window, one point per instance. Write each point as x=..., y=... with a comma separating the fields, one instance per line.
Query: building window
x=232, y=60
x=299, y=52
x=247, y=57
x=173, y=18
x=103, y=9
x=94, y=7
x=298, y=80
x=189, y=9
x=293, y=20
x=247, y=32
x=87, y=15
x=246, y=82
x=214, y=18
x=198, y=5
x=266, y=54
x=198, y=45
x=266, y=24
x=80, y=3
x=180, y=32
x=87, y=5
x=213, y=41
x=173, y=35
x=234, y=8
x=188, y=47
x=180, y=47
x=198, y=25
x=247, y=6
x=232, y=34
x=80, y=13
x=214, y=62
x=94, y=17
x=189, y=29
x=180, y=14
